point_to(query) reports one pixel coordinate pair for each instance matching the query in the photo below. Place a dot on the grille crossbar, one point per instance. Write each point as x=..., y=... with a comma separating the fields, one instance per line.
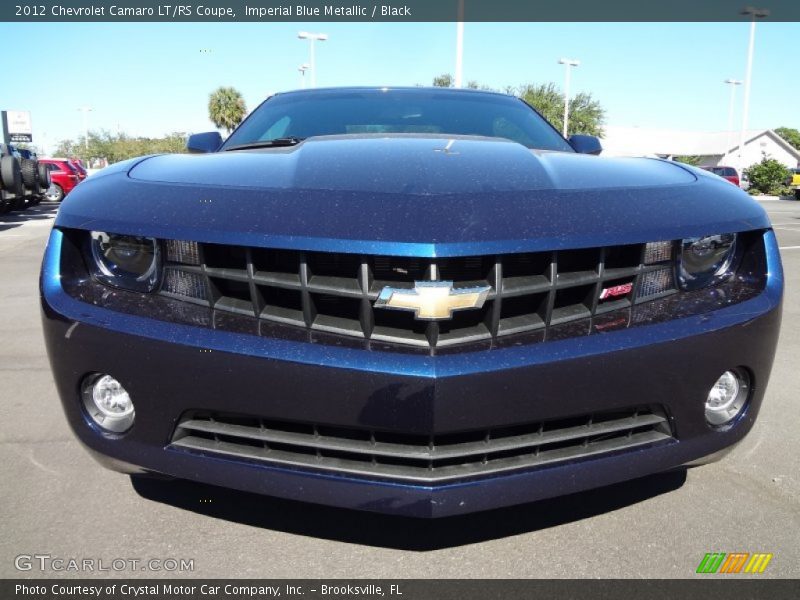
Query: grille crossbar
x=429, y=459
x=336, y=292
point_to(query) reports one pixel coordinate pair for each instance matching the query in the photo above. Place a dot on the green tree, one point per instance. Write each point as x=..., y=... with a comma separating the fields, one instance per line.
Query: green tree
x=67, y=148
x=586, y=116
x=546, y=99
x=790, y=135
x=226, y=108
x=474, y=85
x=768, y=176
x=443, y=80
x=120, y=146
x=447, y=81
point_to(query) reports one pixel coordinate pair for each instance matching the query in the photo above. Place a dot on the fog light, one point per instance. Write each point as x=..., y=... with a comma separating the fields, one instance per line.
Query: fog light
x=727, y=398
x=107, y=403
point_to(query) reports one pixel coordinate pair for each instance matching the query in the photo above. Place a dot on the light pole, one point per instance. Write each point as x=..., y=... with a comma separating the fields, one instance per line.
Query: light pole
x=459, y=45
x=733, y=83
x=312, y=37
x=303, y=68
x=568, y=64
x=753, y=13
x=85, y=110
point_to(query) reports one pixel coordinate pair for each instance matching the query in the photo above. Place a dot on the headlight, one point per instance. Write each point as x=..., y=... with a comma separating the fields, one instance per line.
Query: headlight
x=705, y=260
x=125, y=261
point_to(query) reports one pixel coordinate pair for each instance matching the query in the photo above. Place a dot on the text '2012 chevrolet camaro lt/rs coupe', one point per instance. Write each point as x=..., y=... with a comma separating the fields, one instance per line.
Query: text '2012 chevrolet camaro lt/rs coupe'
x=422, y=302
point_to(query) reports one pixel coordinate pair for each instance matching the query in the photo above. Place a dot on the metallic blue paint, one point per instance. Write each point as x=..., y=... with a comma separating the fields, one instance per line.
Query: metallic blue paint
x=413, y=166
x=204, y=142
x=677, y=372
x=406, y=364
x=397, y=195
x=568, y=201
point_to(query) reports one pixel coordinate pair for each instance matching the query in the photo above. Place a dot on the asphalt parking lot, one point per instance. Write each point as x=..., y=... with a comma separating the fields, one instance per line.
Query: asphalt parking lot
x=57, y=501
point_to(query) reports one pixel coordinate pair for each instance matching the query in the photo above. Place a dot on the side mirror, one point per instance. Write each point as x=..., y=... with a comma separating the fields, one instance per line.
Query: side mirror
x=585, y=144
x=200, y=143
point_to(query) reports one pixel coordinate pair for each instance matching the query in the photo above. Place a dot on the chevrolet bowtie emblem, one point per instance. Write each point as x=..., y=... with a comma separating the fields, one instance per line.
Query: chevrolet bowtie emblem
x=432, y=300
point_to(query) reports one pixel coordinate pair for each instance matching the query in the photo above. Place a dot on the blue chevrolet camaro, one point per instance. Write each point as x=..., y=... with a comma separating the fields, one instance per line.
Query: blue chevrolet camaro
x=422, y=302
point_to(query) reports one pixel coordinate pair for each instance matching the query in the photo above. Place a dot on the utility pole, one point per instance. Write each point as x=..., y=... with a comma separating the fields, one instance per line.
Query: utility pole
x=85, y=110
x=753, y=13
x=459, y=78
x=733, y=83
x=568, y=64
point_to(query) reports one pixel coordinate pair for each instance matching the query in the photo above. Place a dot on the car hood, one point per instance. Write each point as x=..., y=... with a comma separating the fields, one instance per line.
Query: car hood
x=433, y=165
x=408, y=195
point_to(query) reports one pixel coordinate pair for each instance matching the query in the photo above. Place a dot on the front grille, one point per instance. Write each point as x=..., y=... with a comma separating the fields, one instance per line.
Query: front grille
x=419, y=458
x=335, y=293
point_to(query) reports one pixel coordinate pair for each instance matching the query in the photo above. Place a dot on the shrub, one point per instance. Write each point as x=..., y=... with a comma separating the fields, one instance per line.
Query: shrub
x=768, y=176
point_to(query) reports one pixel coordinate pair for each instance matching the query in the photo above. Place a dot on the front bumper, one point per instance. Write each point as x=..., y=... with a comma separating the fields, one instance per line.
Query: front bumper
x=170, y=369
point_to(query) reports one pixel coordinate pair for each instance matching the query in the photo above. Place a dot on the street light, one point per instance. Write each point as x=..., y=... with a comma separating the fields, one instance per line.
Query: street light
x=312, y=37
x=459, y=45
x=568, y=63
x=753, y=13
x=85, y=110
x=303, y=68
x=733, y=83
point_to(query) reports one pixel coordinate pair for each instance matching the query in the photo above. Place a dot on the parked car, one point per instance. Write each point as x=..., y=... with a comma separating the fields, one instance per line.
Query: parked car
x=78, y=167
x=63, y=176
x=728, y=173
x=744, y=182
x=422, y=302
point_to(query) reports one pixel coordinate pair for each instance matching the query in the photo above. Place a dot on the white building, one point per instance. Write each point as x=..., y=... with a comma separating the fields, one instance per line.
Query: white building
x=714, y=148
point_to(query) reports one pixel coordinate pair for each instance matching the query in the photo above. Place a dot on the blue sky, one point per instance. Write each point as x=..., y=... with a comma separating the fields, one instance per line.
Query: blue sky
x=150, y=79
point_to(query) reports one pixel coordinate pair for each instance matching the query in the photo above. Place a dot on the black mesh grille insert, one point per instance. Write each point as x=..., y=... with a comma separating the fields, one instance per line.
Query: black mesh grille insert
x=336, y=292
x=422, y=458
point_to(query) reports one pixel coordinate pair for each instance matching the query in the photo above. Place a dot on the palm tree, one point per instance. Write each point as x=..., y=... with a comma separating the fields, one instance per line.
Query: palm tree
x=226, y=108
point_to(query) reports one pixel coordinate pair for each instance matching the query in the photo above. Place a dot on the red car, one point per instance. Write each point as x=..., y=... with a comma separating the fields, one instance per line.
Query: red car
x=64, y=178
x=78, y=166
x=728, y=173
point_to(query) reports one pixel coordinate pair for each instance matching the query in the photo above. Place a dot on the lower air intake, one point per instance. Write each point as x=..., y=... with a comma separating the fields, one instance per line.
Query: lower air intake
x=417, y=458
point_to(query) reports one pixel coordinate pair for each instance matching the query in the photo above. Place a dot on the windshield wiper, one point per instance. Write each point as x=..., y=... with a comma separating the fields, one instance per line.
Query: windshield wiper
x=274, y=143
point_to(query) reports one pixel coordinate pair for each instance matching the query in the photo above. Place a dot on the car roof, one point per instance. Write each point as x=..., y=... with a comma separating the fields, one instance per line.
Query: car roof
x=403, y=89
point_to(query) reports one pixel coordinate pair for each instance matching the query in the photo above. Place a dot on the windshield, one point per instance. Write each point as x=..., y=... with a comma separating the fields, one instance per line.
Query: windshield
x=302, y=115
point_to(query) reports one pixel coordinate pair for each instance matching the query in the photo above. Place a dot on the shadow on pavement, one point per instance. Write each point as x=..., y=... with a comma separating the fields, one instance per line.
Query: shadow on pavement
x=402, y=533
x=44, y=211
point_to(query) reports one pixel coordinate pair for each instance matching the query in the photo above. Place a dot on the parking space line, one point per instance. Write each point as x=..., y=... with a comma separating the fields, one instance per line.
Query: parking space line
x=788, y=247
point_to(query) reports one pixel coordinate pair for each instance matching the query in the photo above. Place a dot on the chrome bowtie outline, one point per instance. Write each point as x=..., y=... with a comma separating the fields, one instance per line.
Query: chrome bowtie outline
x=432, y=300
